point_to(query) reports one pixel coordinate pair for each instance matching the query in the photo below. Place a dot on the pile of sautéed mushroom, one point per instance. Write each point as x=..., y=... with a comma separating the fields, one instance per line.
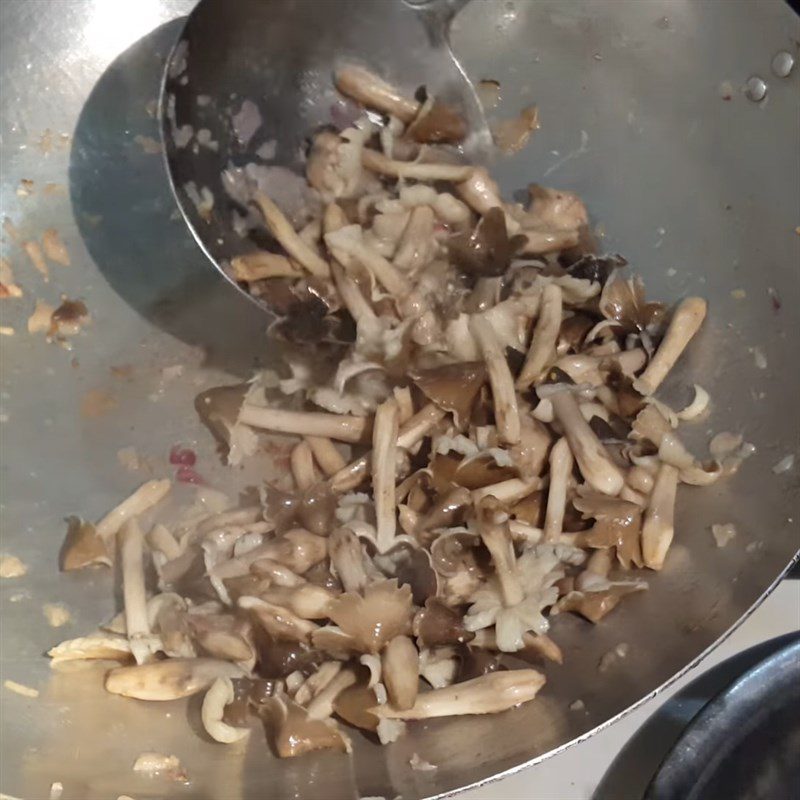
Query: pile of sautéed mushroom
x=478, y=451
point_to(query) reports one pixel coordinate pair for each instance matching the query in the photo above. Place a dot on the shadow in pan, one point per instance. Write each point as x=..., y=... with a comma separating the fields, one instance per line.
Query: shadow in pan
x=634, y=767
x=128, y=218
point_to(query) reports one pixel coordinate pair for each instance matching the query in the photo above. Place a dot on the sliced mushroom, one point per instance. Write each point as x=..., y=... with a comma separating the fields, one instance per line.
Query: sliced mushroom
x=489, y=694
x=374, y=619
x=658, y=528
x=96, y=647
x=437, y=624
x=561, y=462
x=545, y=335
x=417, y=246
x=278, y=622
x=143, y=643
x=347, y=559
x=384, y=448
x=594, y=605
x=306, y=601
x=593, y=460
x=437, y=123
x=321, y=706
x=287, y=237
x=145, y=497
x=617, y=524
x=261, y=265
x=535, y=646
x=170, y=679
x=223, y=636
x=302, y=464
x=373, y=92
x=505, y=399
x=219, y=695
x=400, y=672
x=485, y=252
x=340, y=427
x=510, y=491
x=353, y=705
x=685, y=322
x=493, y=527
x=414, y=170
x=83, y=547
x=296, y=734
x=452, y=387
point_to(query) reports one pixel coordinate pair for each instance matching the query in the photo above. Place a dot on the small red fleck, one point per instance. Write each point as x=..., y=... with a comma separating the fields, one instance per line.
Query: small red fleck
x=776, y=301
x=182, y=456
x=186, y=474
x=726, y=97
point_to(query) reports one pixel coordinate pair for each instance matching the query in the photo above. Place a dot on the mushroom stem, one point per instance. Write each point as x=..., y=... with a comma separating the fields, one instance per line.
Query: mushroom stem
x=493, y=527
x=160, y=539
x=405, y=403
x=414, y=249
x=143, y=643
x=321, y=707
x=278, y=622
x=414, y=170
x=505, y=398
x=219, y=695
x=488, y=694
x=341, y=427
x=347, y=559
x=658, y=528
x=411, y=432
x=307, y=601
x=685, y=323
x=640, y=479
x=278, y=574
x=302, y=464
x=384, y=449
x=355, y=302
x=145, y=497
x=510, y=491
x=530, y=454
x=561, y=462
x=538, y=644
x=344, y=243
x=445, y=509
x=373, y=92
x=400, y=672
x=595, y=464
x=334, y=218
x=289, y=239
x=545, y=336
x=170, y=679
x=482, y=194
x=315, y=683
x=261, y=265
x=326, y=455
x=599, y=562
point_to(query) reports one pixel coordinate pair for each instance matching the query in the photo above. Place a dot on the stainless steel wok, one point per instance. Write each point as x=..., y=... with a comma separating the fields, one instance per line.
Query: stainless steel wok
x=643, y=114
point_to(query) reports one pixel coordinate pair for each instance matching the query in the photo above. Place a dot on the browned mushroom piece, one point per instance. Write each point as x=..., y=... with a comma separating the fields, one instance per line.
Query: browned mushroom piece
x=400, y=671
x=382, y=613
x=618, y=524
x=511, y=135
x=353, y=705
x=496, y=691
x=413, y=567
x=554, y=209
x=479, y=471
x=222, y=636
x=452, y=387
x=473, y=662
x=650, y=425
x=373, y=92
x=487, y=250
x=437, y=123
x=294, y=733
x=535, y=647
x=438, y=624
x=170, y=679
x=278, y=658
x=278, y=622
x=83, y=547
x=623, y=300
x=595, y=605
x=530, y=509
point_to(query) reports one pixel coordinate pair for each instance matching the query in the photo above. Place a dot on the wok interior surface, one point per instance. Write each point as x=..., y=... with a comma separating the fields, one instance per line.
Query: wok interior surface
x=701, y=194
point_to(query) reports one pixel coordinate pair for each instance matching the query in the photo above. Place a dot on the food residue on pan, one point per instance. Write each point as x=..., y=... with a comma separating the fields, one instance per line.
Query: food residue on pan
x=54, y=247
x=12, y=567
x=162, y=766
x=723, y=533
x=6, y=330
x=21, y=689
x=25, y=188
x=96, y=403
x=149, y=145
x=128, y=457
x=35, y=254
x=56, y=614
x=8, y=285
x=511, y=135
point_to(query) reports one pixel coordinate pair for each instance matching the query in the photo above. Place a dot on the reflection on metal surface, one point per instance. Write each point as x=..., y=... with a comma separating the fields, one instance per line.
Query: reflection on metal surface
x=111, y=27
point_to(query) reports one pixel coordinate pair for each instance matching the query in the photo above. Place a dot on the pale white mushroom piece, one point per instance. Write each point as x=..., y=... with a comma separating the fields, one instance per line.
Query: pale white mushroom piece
x=384, y=448
x=503, y=393
x=451, y=210
x=373, y=92
x=315, y=683
x=348, y=242
x=302, y=464
x=170, y=679
x=307, y=600
x=545, y=335
x=143, y=643
x=405, y=403
x=161, y=539
x=96, y=647
x=219, y=695
x=417, y=246
x=698, y=405
x=640, y=479
x=400, y=671
x=509, y=491
x=481, y=194
x=658, y=527
x=279, y=622
x=262, y=265
x=347, y=560
x=685, y=322
x=282, y=230
x=340, y=427
x=329, y=459
x=414, y=170
x=321, y=706
x=595, y=464
x=144, y=498
x=489, y=694
x=561, y=462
